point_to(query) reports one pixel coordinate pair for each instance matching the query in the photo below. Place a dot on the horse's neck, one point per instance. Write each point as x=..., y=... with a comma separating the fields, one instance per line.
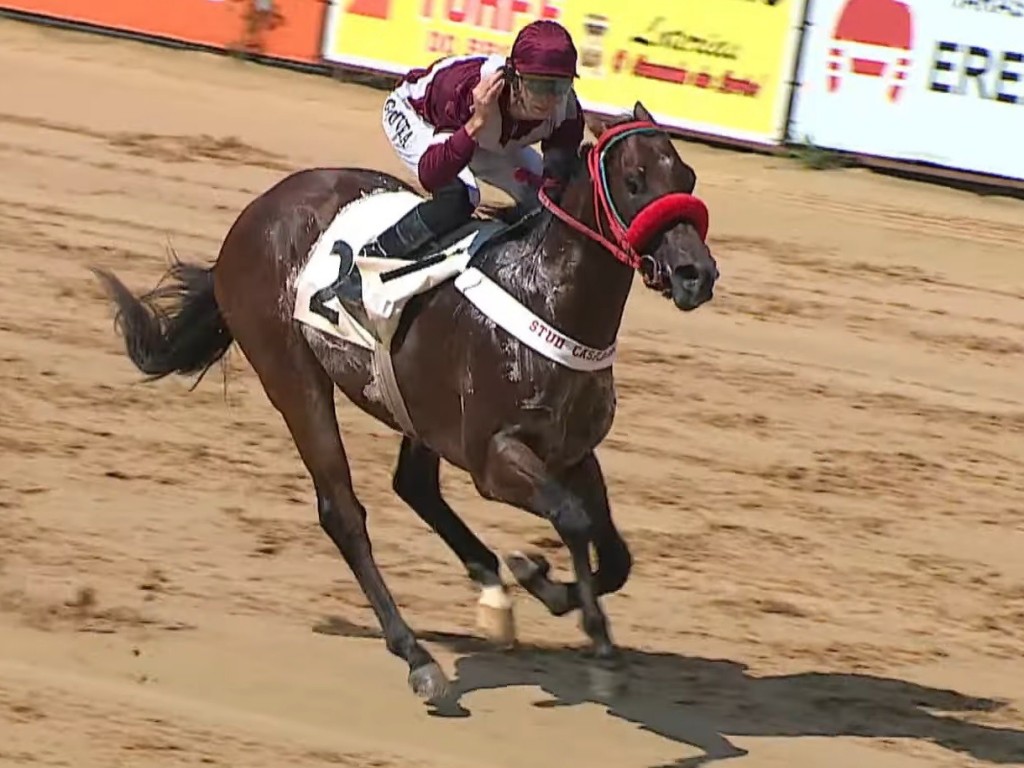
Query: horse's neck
x=566, y=278
x=589, y=286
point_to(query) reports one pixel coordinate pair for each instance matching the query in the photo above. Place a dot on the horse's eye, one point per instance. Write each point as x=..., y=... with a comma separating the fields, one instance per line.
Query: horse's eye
x=634, y=183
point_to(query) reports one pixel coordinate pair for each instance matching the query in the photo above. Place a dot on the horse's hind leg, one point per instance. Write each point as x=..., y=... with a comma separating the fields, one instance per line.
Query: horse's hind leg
x=586, y=481
x=303, y=392
x=417, y=483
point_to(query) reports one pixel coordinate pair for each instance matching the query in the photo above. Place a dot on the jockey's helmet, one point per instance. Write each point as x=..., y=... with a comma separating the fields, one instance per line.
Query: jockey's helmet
x=544, y=57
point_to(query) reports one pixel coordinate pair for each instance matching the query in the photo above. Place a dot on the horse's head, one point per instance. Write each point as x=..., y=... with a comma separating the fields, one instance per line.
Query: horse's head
x=644, y=193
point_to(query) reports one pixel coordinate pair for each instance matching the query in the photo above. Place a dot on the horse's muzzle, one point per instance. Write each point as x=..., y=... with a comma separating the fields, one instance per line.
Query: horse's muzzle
x=692, y=285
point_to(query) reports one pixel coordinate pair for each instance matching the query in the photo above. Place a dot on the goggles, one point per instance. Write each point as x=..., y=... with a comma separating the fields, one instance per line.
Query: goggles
x=546, y=86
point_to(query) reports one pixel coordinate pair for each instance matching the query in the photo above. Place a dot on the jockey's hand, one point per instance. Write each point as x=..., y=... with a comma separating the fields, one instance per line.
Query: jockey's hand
x=524, y=176
x=485, y=102
x=553, y=188
x=559, y=163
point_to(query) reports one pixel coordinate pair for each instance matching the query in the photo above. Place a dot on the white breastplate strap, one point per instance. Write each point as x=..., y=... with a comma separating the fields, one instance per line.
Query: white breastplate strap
x=501, y=307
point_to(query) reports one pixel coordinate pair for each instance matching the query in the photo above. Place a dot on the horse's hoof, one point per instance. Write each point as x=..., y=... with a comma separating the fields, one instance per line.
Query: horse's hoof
x=494, y=617
x=608, y=679
x=429, y=682
x=525, y=568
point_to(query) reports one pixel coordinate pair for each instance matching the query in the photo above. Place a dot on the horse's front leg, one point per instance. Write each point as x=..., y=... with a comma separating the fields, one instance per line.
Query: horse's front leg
x=586, y=481
x=514, y=474
x=417, y=482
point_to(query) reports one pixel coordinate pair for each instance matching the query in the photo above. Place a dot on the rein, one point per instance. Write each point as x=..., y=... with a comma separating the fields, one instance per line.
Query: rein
x=653, y=218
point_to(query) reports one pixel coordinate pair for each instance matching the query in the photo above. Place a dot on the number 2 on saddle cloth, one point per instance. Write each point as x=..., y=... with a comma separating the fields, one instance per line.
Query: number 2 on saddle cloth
x=348, y=285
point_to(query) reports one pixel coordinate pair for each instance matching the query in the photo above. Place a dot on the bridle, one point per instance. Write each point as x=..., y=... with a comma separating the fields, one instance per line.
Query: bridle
x=654, y=218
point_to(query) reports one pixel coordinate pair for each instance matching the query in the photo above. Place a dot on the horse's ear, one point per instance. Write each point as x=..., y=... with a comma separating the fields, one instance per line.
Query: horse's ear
x=640, y=113
x=594, y=124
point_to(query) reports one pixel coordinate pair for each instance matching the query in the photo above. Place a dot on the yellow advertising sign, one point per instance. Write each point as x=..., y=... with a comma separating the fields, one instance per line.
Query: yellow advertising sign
x=716, y=66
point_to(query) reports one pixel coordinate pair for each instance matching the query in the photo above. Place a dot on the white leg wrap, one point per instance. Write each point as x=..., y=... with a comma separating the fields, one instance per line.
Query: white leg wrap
x=494, y=616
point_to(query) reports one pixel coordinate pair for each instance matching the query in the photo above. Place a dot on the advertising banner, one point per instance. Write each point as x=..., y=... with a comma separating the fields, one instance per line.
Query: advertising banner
x=938, y=81
x=285, y=29
x=720, y=67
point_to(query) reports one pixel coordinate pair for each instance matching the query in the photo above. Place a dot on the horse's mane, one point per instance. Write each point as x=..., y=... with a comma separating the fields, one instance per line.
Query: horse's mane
x=509, y=212
x=514, y=256
x=527, y=230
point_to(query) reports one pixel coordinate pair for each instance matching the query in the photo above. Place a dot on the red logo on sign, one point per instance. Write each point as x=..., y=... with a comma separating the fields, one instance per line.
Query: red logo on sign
x=872, y=38
x=375, y=9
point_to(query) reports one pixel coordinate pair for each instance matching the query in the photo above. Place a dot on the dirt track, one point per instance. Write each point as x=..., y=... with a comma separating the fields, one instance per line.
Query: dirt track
x=820, y=474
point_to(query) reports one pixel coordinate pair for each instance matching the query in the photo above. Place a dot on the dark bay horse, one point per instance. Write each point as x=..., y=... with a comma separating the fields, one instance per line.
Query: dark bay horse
x=523, y=426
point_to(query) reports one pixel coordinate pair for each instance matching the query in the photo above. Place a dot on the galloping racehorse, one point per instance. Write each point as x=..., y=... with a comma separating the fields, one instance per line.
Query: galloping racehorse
x=521, y=408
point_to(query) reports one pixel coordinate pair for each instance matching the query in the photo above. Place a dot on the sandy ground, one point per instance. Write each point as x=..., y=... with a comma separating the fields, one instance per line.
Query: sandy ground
x=819, y=473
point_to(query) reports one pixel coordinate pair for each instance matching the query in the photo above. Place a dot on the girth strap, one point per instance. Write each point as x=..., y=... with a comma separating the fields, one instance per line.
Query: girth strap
x=384, y=371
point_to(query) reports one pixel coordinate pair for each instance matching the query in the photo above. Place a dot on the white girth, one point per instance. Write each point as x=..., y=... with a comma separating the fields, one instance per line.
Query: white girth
x=506, y=311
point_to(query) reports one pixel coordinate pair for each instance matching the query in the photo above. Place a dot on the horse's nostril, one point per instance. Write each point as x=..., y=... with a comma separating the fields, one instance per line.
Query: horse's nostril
x=687, y=273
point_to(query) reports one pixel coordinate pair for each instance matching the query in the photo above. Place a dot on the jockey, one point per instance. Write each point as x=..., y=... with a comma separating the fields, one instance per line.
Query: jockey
x=470, y=117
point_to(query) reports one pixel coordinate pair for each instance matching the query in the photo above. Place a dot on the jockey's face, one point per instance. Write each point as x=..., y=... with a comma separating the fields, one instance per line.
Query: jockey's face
x=535, y=98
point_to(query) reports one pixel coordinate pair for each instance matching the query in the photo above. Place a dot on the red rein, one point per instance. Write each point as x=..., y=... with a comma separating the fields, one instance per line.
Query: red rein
x=652, y=219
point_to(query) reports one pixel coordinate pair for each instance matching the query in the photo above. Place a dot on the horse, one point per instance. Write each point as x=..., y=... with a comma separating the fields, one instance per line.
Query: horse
x=521, y=420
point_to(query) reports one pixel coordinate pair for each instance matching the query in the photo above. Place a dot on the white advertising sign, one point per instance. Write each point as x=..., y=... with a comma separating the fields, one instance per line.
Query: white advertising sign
x=938, y=81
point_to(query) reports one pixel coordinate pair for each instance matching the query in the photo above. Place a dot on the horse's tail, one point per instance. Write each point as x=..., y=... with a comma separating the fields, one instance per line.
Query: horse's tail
x=186, y=336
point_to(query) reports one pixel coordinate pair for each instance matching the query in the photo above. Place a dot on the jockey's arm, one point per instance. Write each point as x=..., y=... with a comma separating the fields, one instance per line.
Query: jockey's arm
x=452, y=102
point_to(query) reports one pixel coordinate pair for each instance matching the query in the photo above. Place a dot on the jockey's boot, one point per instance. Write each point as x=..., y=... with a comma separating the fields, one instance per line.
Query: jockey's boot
x=402, y=239
x=396, y=242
